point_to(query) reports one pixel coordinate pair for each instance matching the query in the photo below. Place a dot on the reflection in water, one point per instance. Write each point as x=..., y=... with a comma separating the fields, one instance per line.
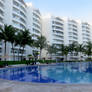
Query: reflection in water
x=61, y=73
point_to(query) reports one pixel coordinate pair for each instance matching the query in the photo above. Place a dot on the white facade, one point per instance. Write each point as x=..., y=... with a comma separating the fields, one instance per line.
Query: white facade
x=77, y=31
x=34, y=24
x=71, y=31
x=65, y=31
x=53, y=30
x=86, y=32
x=2, y=12
x=57, y=30
x=20, y=15
x=15, y=15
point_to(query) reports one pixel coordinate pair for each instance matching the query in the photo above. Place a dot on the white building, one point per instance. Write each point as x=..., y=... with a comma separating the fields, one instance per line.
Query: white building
x=20, y=15
x=86, y=32
x=34, y=24
x=2, y=10
x=53, y=30
x=57, y=30
x=65, y=31
x=15, y=15
x=71, y=31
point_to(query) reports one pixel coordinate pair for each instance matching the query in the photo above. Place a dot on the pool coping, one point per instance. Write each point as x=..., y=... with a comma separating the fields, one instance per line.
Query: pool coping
x=46, y=84
x=12, y=86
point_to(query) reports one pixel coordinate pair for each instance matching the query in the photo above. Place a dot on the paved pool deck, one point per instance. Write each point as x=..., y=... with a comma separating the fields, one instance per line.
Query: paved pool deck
x=11, y=86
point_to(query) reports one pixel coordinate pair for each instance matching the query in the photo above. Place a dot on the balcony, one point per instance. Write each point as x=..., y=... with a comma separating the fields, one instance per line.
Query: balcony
x=19, y=11
x=18, y=14
x=36, y=15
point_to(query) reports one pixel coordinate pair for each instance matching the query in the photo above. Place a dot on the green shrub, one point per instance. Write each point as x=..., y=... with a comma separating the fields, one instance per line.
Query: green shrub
x=89, y=59
x=3, y=63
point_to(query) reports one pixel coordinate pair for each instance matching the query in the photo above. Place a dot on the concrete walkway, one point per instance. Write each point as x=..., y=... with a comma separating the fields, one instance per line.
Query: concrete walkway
x=10, y=86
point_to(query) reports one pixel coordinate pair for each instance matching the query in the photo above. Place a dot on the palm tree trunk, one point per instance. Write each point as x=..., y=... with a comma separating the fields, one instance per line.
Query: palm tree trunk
x=5, y=52
x=22, y=54
x=80, y=58
x=40, y=53
x=66, y=57
x=13, y=52
x=51, y=56
x=18, y=52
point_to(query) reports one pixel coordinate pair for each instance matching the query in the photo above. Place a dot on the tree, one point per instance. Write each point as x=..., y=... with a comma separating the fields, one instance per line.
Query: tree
x=18, y=41
x=5, y=35
x=23, y=38
x=88, y=49
x=72, y=47
x=40, y=43
x=80, y=49
x=64, y=50
x=52, y=49
x=26, y=39
x=12, y=39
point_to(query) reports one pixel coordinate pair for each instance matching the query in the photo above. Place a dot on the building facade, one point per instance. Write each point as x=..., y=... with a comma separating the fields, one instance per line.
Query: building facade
x=86, y=32
x=65, y=31
x=34, y=24
x=72, y=31
x=2, y=11
x=53, y=30
x=57, y=30
x=14, y=14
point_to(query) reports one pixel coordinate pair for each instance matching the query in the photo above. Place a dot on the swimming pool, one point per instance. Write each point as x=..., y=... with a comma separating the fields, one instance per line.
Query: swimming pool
x=67, y=73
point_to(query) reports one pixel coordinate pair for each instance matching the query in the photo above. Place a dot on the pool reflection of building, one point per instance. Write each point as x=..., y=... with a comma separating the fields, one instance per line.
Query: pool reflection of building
x=64, y=73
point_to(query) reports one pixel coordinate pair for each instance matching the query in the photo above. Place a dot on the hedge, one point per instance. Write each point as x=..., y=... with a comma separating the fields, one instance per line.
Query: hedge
x=4, y=63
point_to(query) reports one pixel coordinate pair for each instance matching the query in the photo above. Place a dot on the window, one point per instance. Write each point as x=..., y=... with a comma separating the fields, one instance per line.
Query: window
x=34, y=14
x=35, y=25
x=1, y=20
x=22, y=20
x=1, y=5
x=15, y=3
x=1, y=12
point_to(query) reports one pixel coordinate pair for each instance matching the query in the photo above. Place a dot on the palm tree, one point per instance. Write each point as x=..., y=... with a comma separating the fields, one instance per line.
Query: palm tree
x=52, y=49
x=72, y=47
x=26, y=39
x=80, y=49
x=64, y=50
x=88, y=49
x=23, y=38
x=12, y=38
x=18, y=39
x=40, y=43
x=4, y=35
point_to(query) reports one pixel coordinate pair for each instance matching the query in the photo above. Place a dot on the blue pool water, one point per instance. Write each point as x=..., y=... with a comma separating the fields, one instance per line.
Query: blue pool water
x=67, y=73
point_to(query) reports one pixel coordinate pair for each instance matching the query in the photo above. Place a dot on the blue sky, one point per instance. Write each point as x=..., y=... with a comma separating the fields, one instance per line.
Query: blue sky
x=78, y=9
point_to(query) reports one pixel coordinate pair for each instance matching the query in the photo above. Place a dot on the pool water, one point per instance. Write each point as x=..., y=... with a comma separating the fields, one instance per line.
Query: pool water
x=67, y=73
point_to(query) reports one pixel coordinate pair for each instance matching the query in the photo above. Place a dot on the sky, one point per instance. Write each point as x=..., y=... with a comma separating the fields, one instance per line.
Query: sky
x=75, y=9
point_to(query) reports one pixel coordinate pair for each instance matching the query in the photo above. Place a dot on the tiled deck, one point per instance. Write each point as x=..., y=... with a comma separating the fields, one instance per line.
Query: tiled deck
x=10, y=86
